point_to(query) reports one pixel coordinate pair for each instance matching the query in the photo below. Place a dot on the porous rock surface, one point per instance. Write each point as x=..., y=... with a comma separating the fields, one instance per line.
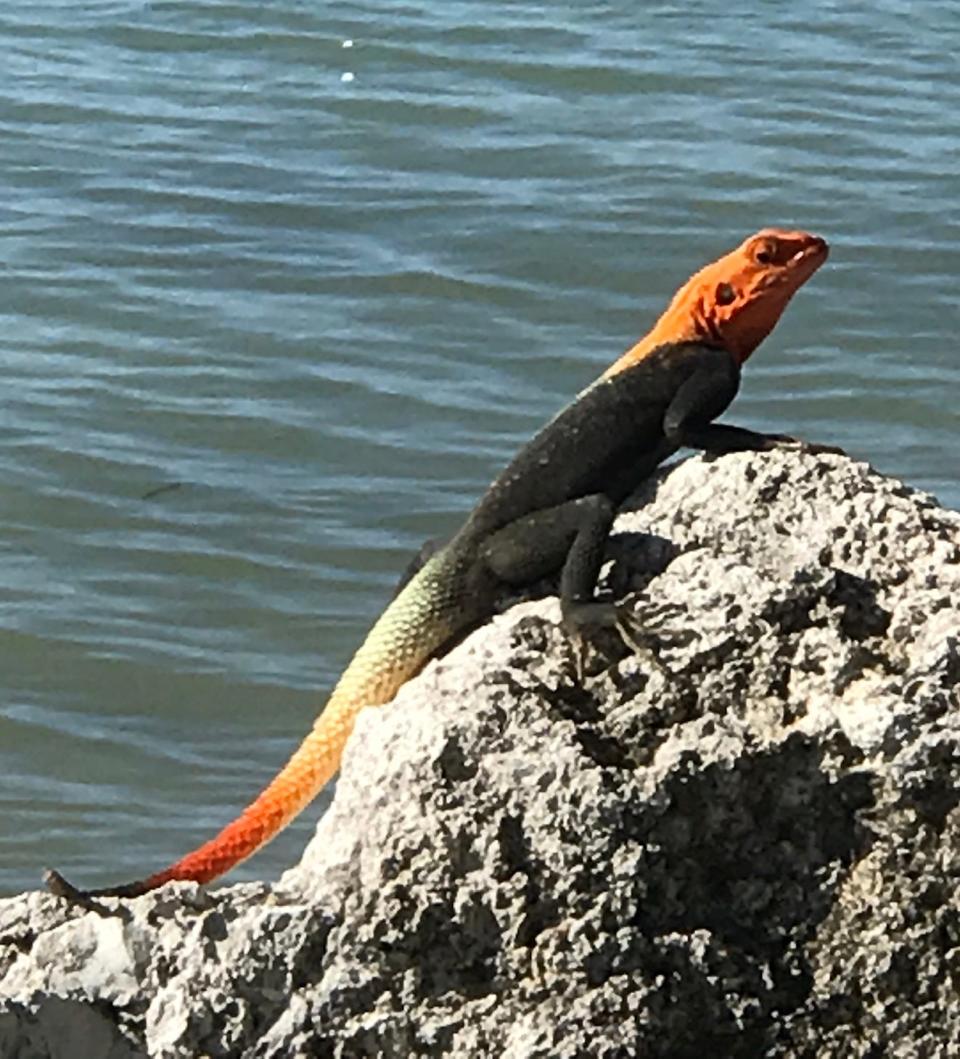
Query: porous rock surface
x=749, y=847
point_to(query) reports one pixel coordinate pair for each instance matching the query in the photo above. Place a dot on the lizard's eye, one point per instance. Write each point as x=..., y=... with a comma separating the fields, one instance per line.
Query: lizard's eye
x=766, y=254
x=725, y=294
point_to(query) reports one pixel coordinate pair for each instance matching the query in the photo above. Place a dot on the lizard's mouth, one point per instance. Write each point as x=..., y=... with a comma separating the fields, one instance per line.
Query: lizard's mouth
x=816, y=248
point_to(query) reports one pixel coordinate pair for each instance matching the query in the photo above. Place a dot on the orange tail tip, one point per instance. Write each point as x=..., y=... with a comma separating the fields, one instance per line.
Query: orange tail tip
x=312, y=764
x=61, y=887
x=420, y=620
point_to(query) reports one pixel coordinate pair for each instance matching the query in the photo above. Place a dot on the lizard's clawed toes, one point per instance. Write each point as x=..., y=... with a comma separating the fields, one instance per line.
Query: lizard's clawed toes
x=644, y=628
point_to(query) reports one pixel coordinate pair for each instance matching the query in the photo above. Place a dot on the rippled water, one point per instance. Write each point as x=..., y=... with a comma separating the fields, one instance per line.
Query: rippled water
x=329, y=308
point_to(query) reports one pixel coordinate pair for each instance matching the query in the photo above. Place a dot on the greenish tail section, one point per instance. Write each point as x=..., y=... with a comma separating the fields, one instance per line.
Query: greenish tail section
x=425, y=616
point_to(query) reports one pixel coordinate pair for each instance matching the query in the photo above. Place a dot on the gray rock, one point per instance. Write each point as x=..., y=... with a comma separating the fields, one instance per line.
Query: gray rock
x=738, y=839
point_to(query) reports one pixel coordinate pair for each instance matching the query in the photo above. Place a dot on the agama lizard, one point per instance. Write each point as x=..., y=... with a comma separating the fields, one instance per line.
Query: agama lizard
x=549, y=511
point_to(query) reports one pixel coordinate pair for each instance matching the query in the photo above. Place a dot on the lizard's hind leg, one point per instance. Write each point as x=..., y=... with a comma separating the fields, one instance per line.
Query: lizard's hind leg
x=571, y=539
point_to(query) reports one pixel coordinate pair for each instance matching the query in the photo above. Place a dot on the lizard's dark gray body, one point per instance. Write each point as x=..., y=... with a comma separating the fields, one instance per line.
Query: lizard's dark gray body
x=549, y=511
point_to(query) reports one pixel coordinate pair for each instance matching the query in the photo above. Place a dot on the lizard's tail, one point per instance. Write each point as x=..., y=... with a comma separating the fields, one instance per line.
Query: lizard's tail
x=421, y=619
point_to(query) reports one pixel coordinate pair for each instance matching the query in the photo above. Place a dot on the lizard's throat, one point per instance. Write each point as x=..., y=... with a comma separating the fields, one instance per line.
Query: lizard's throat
x=705, y=328
x=734, y=334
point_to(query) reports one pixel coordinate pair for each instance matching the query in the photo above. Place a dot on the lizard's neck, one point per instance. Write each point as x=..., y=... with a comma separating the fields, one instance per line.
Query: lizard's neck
x=683, y=321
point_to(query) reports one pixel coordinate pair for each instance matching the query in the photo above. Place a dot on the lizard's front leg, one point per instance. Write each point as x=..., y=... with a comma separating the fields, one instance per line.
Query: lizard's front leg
x=688, y=421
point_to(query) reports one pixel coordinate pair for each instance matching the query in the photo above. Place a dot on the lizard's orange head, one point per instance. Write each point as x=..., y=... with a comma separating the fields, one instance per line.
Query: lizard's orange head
x=739, y=298
x=735, y=302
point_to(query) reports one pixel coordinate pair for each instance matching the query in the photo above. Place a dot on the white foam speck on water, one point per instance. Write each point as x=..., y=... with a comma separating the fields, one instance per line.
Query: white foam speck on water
x=346, y=77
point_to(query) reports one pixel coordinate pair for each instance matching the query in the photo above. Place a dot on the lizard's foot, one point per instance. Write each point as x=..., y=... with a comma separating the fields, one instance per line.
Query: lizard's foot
x=641, y=629
x=645, y=625
x=812, y=448
x=646, y=631
x=815, y=449
x=582, y=620
x=581, y=617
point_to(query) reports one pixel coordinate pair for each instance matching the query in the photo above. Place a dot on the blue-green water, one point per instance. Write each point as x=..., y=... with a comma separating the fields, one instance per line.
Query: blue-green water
x=331, y=308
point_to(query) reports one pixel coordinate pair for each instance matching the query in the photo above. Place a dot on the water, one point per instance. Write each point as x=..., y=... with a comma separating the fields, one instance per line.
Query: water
x=330, y=309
